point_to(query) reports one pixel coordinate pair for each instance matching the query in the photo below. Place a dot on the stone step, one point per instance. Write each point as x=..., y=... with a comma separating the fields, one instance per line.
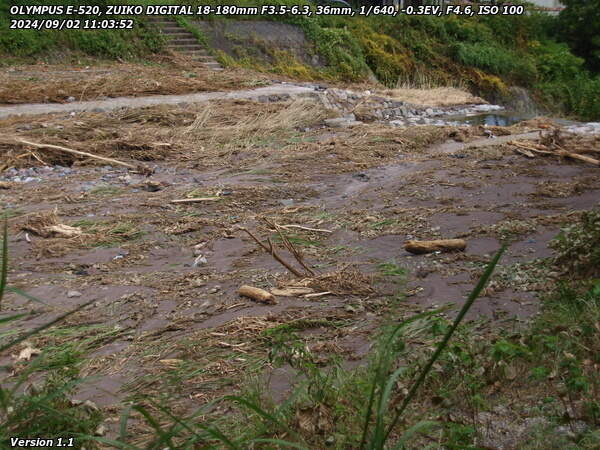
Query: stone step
x=161, y=20
x=206, y=58
x=171, y=30
x=183, y=41
x=180, y=35
x=167, y=25
x=212, y=64
x=186, y=48
x=199, y=52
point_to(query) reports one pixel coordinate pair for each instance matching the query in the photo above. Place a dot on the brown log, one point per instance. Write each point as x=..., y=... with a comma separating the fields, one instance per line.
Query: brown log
x=442, y=245
x=260, y=295
x=584, y=158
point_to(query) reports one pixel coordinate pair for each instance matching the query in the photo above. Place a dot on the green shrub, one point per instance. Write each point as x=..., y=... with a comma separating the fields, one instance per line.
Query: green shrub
x=497, y=60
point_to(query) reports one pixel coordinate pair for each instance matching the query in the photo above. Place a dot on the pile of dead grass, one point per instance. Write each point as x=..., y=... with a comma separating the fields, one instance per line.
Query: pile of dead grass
x=439, y=96
x=52, y=238
x=203, y=132
x=245, y=124
x=348, y=280
x=55, y=84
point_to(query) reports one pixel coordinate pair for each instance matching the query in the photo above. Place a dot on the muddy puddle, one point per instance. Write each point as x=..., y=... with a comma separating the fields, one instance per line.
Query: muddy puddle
x=500, y=119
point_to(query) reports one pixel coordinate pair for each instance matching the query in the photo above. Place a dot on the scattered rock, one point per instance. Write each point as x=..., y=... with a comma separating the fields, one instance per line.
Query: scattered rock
x=200, y=261
x=361, y=176
x=341, y=122
x=27, y=353
x=72, y=294
x=151, y=186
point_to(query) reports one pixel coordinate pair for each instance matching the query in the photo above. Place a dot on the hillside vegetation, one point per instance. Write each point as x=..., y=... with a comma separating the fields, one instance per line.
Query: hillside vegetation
x=22, y=45
x=487, y=54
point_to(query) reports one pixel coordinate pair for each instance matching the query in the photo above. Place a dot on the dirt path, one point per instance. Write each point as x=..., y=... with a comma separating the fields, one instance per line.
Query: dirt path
x=152, y=100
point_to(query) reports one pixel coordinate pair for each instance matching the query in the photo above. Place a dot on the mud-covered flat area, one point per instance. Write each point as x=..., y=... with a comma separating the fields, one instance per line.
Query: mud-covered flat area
x=166, y=318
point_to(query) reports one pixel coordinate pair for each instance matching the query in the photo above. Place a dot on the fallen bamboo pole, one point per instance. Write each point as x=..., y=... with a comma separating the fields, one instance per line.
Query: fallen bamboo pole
x=77, y=152
x=300, y=227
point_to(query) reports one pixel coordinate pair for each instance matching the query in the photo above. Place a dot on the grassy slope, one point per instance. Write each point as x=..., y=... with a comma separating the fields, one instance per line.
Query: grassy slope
x=27, y=45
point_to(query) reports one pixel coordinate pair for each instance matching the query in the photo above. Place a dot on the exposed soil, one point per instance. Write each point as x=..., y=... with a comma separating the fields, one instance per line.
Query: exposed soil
x=172, y=326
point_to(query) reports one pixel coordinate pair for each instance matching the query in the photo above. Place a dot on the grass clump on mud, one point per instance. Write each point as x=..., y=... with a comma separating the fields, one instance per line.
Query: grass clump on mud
x=35, y=394
x=578, y=246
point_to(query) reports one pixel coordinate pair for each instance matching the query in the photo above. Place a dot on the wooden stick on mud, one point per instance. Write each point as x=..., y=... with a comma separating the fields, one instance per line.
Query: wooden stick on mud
x=195, y=200
x=77, y=152
x=290, y=248
x=443, y=245
x=260, y=295
x=273, y=253
x=300, y=227
x=558, y=152
x=584, y=158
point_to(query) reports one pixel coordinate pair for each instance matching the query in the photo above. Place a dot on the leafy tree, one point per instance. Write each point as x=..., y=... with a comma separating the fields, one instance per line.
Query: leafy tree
x=580, y=27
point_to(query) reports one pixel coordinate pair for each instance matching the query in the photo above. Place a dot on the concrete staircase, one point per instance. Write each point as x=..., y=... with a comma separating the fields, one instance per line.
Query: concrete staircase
x=182, y=41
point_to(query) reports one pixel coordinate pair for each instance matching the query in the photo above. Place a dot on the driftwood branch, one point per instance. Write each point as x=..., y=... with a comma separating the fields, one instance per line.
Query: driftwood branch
x=271, y=250
x=112, y=161
x=300, y=227
x=443, y=245
x=537, y=148
x=260, y=295
x=289, y=246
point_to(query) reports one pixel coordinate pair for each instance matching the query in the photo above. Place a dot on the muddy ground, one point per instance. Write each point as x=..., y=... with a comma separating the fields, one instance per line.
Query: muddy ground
x=166, y=317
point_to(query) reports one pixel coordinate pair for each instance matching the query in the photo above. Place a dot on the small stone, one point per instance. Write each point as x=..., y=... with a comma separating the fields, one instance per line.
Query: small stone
x=287, y=202
x=361, y=176
x=72, y=294
x=91, y=405
x=200, y=261
x=152, y=186
x=70, y=99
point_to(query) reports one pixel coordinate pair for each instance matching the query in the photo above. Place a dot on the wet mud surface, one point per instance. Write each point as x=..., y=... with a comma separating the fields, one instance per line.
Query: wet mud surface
x=158, y=302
